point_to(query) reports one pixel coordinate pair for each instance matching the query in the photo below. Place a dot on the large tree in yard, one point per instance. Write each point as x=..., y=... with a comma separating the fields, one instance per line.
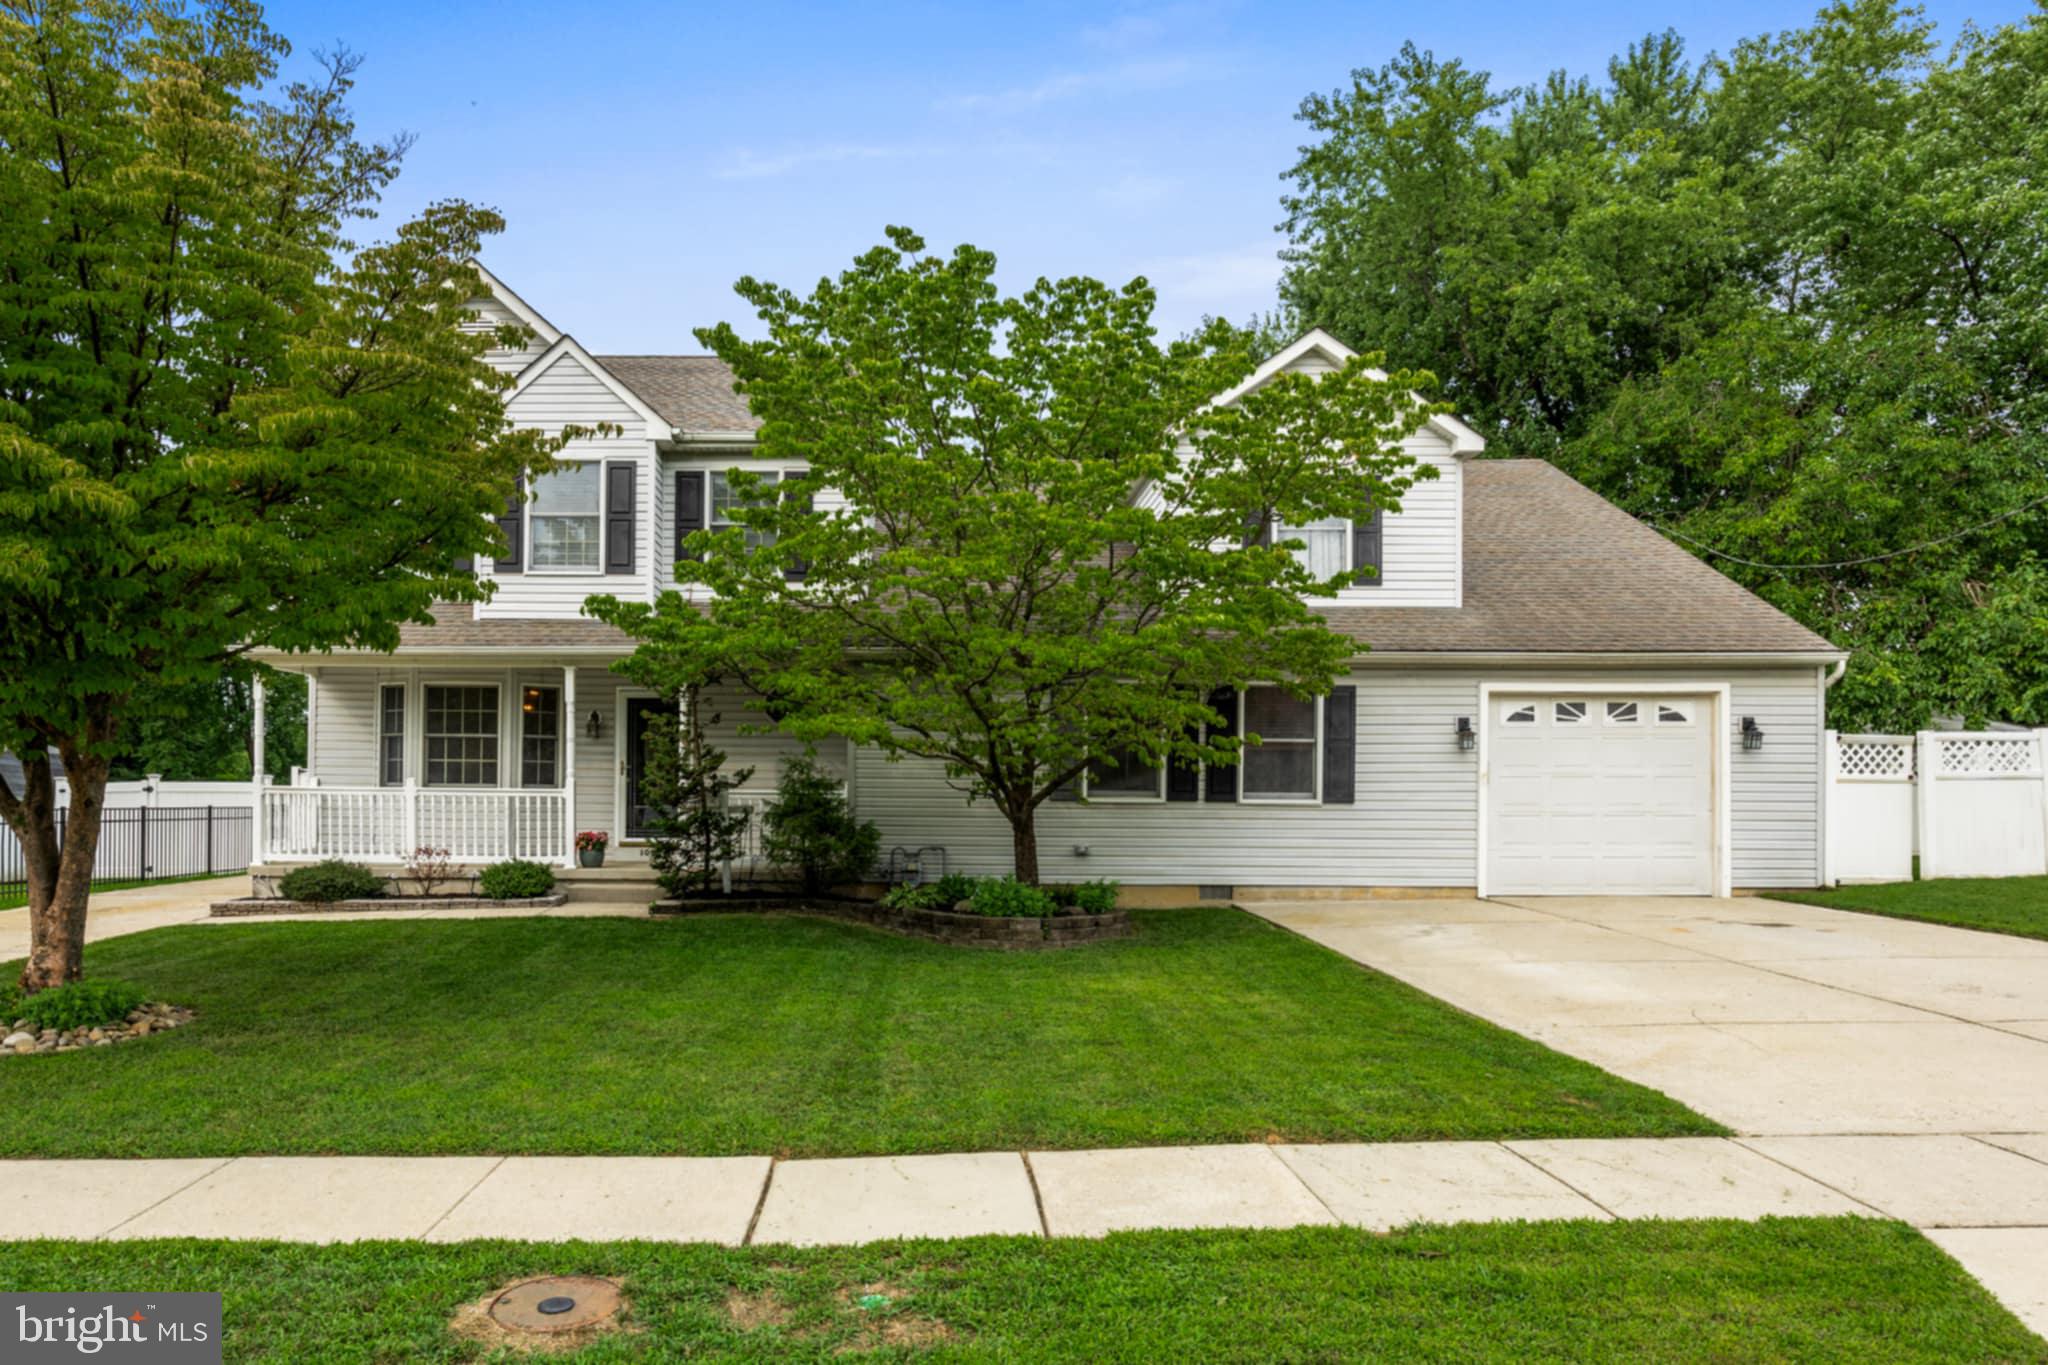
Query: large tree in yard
x=222, y=427
x=1027, y=543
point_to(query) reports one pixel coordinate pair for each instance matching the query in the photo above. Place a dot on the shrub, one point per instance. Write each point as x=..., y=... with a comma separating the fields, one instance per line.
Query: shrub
x=428, y=867
x=913, y=896
x=1094, y=898
x=333, y=880
x=515, y=879
x=694, y=826
x=953, y=888
x=1008, y=896
x=81, y=1004
x=809, y=829
x=10, y=1002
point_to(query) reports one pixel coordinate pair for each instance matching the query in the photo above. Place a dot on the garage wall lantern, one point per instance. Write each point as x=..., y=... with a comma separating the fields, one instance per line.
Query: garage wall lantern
x=1752, y=735
x=1467, y=737
x=596, y=726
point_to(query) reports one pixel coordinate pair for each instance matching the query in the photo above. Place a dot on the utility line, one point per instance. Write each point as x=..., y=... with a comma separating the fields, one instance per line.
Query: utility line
x=1867, y=559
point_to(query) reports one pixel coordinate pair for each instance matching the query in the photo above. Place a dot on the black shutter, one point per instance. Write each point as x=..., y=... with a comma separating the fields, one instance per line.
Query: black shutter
x=512, y=526
x=1340, y=746
x=689, y=508
x=1367, y=549
x=795, y=570
x=1183, y=776
x=1223, y=776
x=620, y=478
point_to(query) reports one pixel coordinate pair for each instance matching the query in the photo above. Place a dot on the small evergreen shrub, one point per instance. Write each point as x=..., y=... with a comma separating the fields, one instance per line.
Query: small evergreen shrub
x=810, y=830
x=81, y=1004
x=333, y=880
x=515, y=879
x=1008, y=896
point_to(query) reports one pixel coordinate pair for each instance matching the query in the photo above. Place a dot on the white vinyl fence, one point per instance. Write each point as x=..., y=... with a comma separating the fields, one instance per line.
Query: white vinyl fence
x=1971, y=803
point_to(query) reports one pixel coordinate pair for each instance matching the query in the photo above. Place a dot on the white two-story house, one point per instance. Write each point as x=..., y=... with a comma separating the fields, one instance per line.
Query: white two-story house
x=1548, y=697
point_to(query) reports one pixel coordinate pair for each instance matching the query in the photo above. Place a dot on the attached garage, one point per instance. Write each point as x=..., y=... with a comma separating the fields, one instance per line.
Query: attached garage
x=1602, y=792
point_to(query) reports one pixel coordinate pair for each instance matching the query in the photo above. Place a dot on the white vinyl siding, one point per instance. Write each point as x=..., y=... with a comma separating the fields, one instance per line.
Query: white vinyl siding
x=567, y=393
x=489, y=314
x=1415, y=821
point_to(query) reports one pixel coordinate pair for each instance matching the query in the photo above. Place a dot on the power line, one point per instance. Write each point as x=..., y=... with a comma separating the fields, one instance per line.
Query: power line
x=1866, y=559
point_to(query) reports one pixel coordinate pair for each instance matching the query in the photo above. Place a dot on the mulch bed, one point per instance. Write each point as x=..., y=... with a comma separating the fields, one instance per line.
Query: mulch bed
x=1021, y=933
x=271, y=905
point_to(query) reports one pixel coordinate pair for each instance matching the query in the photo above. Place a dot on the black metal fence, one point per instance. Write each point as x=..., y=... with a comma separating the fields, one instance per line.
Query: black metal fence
x=151, y=843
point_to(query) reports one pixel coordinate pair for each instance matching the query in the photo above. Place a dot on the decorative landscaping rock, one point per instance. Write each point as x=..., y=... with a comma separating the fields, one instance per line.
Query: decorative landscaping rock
x=142, y=1021
x=268, y=905
x=1021, y=933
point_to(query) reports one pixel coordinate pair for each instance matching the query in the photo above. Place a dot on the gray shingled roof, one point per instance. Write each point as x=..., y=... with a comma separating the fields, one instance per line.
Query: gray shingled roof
x=1553, y=567
x=693, y=392
x=1550, y=568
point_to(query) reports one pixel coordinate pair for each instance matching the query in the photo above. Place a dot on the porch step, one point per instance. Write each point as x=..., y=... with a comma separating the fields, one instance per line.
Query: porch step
x=627, y=885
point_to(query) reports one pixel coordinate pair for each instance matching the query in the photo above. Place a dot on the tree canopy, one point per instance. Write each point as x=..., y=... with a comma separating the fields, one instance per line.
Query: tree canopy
x=223, y=427
x=1789, y=304
x=1025, y=541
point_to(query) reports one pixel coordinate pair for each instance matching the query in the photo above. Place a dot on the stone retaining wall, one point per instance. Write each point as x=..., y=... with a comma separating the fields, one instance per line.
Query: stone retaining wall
x=939, y=926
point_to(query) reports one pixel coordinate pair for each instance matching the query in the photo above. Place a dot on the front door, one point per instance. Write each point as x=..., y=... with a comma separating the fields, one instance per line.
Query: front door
x=639, y=710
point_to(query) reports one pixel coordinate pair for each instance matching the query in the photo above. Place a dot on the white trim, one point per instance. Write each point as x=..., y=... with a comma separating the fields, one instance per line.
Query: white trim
x=1463, y=439
x=548, y=333
x=568, y=346
x=1588, y=659
x=1719, y=693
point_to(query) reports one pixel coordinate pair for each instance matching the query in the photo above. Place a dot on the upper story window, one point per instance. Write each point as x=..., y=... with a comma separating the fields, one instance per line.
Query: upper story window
x=566, y=515
x=725, y=500
x=1326, y=545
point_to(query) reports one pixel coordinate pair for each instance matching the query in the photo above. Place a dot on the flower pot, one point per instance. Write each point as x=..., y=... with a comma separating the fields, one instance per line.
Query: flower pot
x=590, y=857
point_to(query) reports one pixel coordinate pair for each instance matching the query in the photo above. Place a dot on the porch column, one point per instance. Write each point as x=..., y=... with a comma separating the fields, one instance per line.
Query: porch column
x=256, y=839
x=569, y=729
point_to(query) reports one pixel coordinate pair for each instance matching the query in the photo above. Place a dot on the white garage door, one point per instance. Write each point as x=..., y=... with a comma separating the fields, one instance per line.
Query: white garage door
x=1600, y=795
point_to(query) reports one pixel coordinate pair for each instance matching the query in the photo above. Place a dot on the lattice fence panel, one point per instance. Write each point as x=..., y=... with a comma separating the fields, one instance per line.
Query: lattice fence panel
x=1988, y=756
x=1876, y=759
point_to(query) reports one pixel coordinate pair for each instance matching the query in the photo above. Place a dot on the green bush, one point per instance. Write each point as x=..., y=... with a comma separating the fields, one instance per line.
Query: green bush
x=810, y=830
x=953, y=888
x=81, y=1004
x=911, y=896
x=1008, y=896
x=515, y=879
x=332, y=880
x=1094, y=898
x=10, y=1002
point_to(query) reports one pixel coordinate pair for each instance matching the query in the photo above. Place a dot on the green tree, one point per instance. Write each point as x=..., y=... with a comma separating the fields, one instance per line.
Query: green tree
x=1026, y=539
x=1788, y=305
x=222, y=426
x=200, y=732
x=685, y=785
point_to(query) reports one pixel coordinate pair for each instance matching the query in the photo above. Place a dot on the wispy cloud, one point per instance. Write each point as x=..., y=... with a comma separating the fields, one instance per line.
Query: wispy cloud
x=1123, y=78
x=744, y=163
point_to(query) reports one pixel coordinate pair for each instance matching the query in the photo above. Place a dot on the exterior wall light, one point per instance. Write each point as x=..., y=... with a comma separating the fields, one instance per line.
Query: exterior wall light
x=1752, y=736
x=1468, y=738
x=595, y=726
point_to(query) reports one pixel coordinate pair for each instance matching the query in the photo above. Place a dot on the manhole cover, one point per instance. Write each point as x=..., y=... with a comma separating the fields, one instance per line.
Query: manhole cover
x=556, y=1303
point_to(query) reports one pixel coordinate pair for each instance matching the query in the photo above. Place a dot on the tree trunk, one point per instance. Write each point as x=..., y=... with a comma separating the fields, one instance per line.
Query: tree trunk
x=60, y=877
x=1024, y=843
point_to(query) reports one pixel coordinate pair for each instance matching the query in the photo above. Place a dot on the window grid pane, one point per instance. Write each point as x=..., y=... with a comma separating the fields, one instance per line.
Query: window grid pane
x=1325, y=546
x=565, y=517
x=1283, y=763
x=461, y=735
x=724, y=500
x=391, y=736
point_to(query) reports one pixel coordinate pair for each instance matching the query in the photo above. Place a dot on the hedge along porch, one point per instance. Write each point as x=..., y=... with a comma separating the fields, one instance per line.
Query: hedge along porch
x=486, y=756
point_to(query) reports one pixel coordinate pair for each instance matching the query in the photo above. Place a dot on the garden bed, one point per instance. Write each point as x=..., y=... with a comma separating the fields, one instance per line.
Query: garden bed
x=1020, y=932
x=271, y=905
x=25, y=1040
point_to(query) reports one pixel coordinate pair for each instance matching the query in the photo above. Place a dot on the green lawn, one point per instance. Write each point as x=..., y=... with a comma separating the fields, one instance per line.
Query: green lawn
x=1848, y=1289
x=731, y=1034
x=2003, y=905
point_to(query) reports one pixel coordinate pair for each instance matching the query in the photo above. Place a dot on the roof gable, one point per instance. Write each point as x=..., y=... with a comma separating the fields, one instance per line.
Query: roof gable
x=567, y=349
x=1316, y=345
x=502, y=294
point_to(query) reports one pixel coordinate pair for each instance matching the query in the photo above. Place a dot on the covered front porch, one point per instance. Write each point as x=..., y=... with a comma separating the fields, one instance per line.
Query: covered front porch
x=509, y=760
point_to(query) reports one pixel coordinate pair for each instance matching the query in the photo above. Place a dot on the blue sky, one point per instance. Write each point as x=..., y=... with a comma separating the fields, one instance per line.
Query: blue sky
x=647, y=155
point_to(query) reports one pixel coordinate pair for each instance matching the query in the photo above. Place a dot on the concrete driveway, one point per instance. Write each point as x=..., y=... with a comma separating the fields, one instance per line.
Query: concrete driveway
x=1774, y=1018
x=112, y=913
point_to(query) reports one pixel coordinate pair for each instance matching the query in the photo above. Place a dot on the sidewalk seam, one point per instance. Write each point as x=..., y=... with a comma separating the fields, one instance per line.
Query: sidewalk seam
x=1809, y=1175
x=760, y=1203
x=206, y=1174
x=1542, y=1169
x=461, y=1197
x=1037, y=1198
x=1313, y=1192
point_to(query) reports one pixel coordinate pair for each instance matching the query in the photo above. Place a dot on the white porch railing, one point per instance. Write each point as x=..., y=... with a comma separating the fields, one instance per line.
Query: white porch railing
x=385, y=824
